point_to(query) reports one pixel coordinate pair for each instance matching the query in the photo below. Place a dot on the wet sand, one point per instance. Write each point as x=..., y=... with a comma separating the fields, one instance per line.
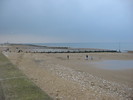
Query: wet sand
x=76, y=78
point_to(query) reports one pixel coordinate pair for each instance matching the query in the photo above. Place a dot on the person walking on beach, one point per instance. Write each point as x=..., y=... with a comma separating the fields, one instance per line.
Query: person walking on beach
x=86, y=57
x=67, y=56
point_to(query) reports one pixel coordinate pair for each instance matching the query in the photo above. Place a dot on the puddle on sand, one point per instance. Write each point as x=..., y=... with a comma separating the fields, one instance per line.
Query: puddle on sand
x=115, y=64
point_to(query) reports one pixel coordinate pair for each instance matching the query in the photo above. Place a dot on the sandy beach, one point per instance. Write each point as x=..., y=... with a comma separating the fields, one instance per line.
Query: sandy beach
x=76, y=78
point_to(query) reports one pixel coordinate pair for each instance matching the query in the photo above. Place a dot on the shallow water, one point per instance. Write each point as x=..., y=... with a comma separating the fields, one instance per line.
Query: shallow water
x=115, y=64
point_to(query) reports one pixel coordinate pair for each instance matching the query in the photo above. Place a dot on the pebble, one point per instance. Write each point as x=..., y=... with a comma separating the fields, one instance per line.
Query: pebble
x=95, y=83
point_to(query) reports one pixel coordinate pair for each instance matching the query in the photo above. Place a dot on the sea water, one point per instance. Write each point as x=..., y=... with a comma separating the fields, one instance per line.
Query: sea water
x=115, y=64
x=111, y=46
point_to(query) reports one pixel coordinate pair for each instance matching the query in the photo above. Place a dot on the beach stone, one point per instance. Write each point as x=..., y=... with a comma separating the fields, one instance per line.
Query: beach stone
x=92, y=84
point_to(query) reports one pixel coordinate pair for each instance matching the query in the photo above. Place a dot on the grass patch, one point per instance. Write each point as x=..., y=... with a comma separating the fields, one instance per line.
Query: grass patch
x=14, y=85
x=7, y=69
x=23, y=89
x=3, y=58
x=2, y=97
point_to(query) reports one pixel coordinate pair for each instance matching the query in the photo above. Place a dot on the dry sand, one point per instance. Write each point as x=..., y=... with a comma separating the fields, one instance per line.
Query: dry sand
x=76, y=78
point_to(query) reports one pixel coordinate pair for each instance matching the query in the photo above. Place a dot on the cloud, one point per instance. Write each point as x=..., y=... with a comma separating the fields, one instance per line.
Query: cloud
x=65, y=20
x=23, y=38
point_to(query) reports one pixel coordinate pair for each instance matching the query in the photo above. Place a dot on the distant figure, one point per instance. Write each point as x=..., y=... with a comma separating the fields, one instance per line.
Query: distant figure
x=67, y=56
x=86, y=57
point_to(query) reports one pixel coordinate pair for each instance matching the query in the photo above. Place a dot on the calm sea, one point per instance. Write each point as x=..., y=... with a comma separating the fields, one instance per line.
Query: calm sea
x=112, y=46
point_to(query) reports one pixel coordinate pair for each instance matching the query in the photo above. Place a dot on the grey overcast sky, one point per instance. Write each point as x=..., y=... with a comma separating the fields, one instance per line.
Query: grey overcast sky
x=36, y=21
